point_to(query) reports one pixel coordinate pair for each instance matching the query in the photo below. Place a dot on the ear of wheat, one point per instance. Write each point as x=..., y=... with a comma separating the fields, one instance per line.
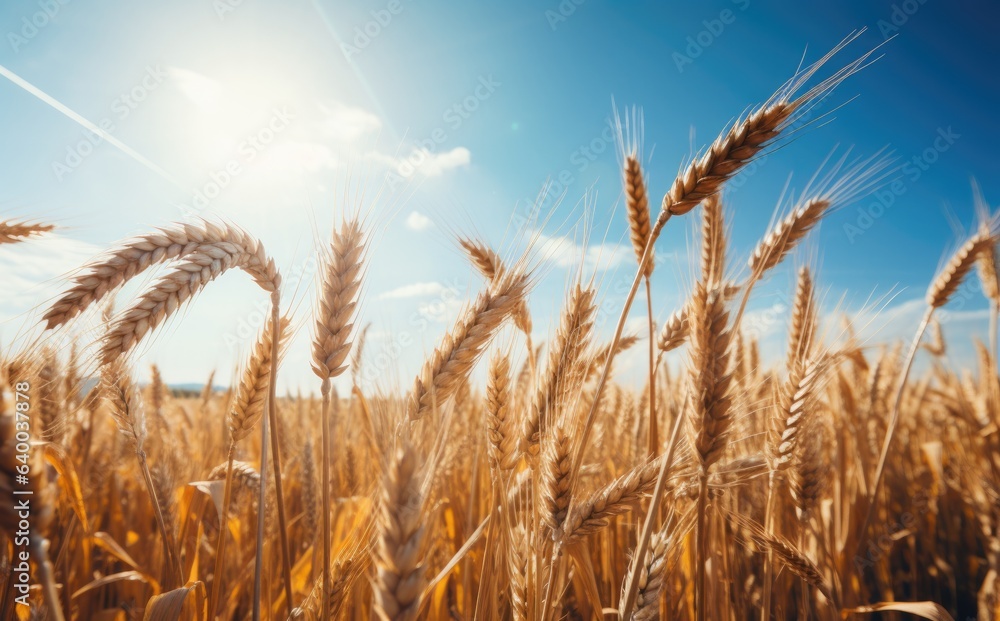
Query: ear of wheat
x=134, y=256
x=452, y=361
x=12, y=231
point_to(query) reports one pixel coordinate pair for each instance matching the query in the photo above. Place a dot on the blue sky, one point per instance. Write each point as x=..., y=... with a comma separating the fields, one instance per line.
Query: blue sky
x=288, y=106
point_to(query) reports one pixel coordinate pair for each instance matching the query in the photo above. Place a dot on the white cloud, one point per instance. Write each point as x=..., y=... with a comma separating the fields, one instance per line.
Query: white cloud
x=565, y=252
x=347, y=124
x=417, y=221
x=415, y=290
x=444, y=310
x=31, y=271
x=430, y=164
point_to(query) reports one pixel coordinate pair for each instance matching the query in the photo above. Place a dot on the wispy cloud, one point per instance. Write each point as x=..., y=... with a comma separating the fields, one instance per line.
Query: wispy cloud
x=442, y=311
x=31, y=271
x=565, y=252
x=347, y=124
x=424, y=162
x=417, y=221
x=415, y=290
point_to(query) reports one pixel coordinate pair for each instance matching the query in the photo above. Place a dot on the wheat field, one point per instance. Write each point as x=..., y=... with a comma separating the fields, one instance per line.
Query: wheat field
x=514, y=478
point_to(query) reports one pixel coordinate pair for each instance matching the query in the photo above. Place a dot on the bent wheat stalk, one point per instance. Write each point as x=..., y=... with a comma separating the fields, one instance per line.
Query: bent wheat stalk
x=134, y=256
x=207, y=254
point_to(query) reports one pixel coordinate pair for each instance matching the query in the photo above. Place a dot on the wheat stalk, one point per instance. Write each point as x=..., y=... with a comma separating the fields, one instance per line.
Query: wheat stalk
x=135, y=255
x=561, y=373
x=736, y=147
x=452, y=361
x=488, y=263
x=938, y=293
x=171, y=292
x=126, y=408
x=342, y=267
x=247, y=410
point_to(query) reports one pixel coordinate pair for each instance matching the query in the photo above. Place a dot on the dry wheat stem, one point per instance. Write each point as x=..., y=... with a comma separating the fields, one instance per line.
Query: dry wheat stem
x=220, y=547
x=277, y=336
x=342, y=270
x=637, y=209
x=647, y=527
x=40, y=552
x=325, y=389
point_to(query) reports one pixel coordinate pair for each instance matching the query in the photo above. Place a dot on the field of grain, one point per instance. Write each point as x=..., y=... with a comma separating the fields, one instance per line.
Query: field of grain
x=833, y=483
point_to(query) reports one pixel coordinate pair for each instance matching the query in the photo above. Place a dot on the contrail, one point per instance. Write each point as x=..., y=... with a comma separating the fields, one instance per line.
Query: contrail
x=354, y=67
x=37, y=92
